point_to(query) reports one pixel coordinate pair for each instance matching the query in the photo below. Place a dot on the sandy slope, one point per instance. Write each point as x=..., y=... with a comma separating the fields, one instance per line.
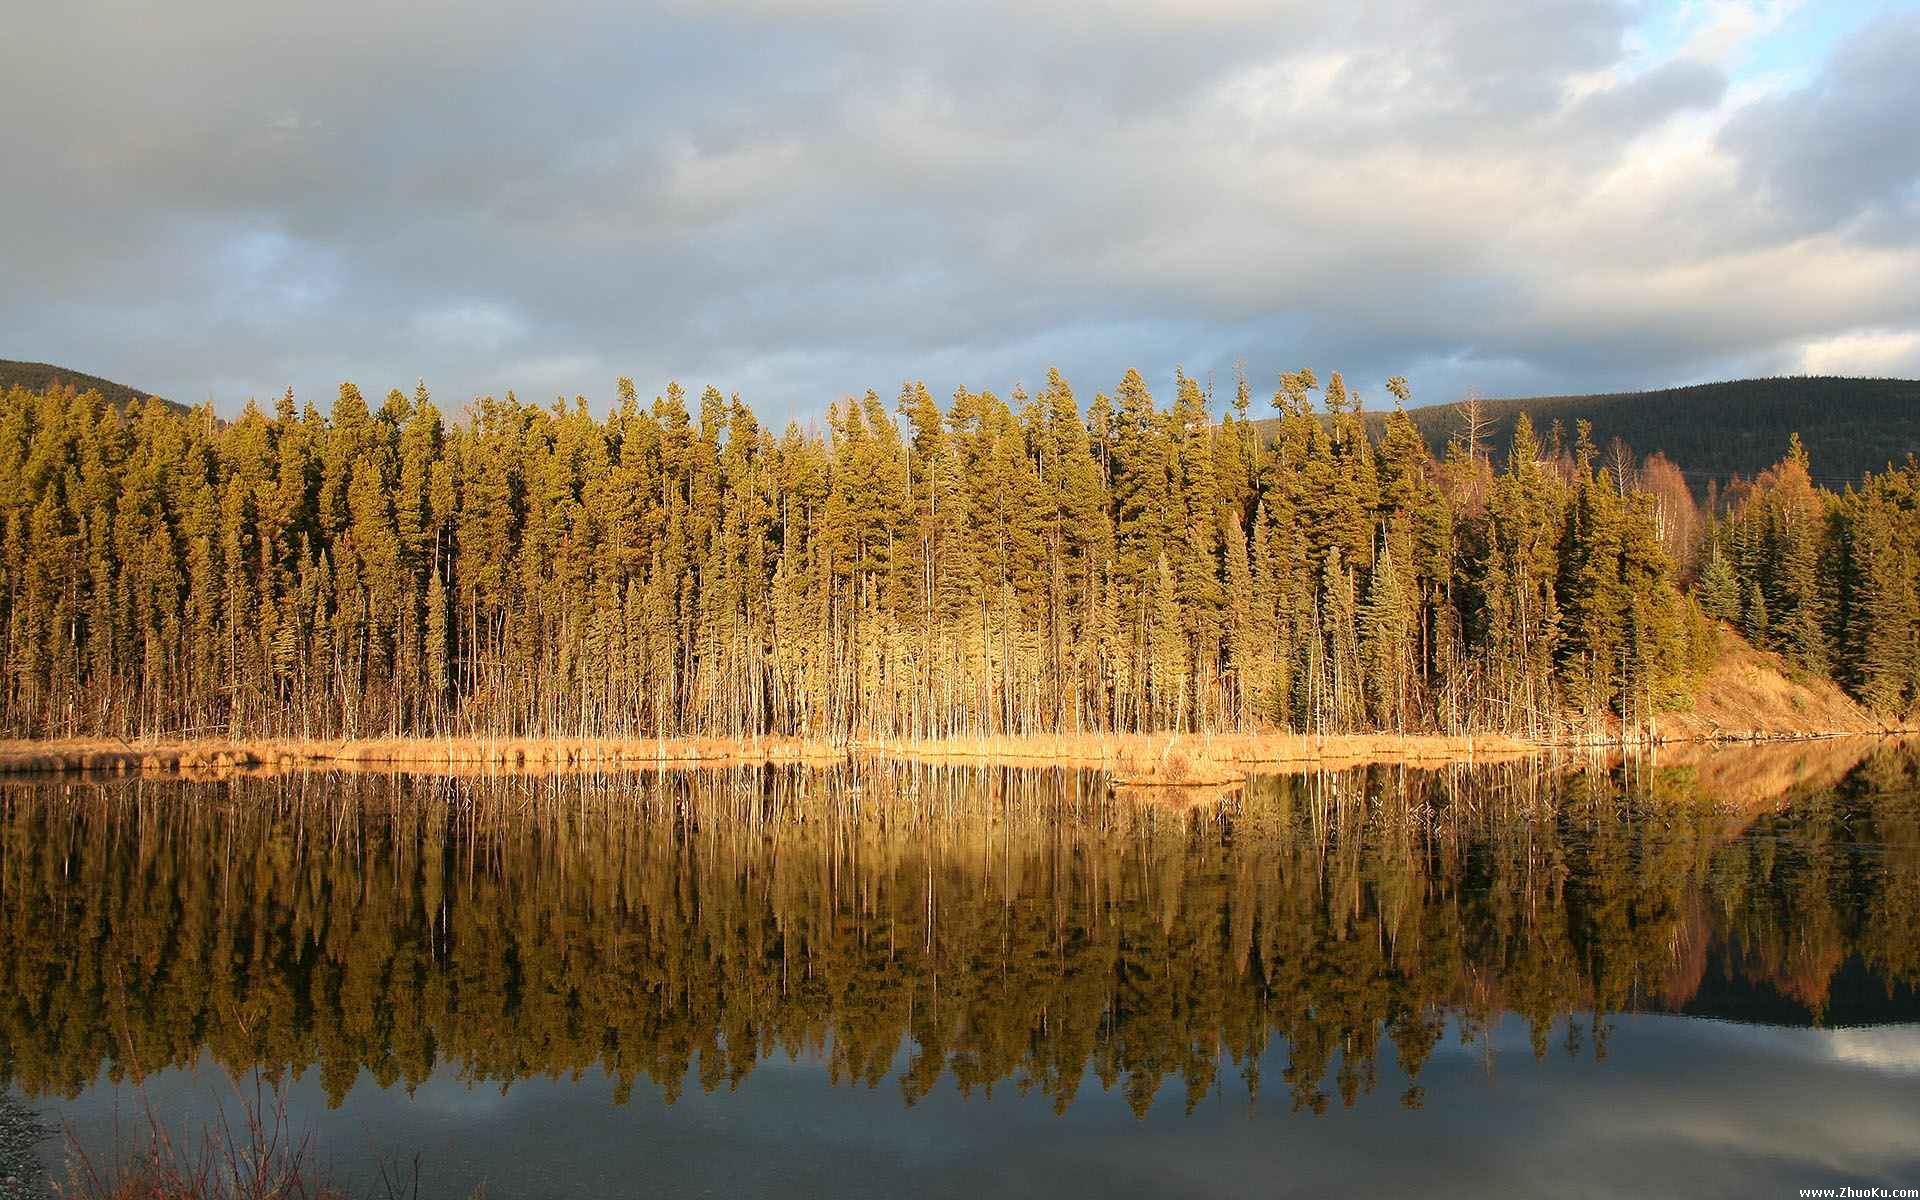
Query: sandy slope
x=1751, y=693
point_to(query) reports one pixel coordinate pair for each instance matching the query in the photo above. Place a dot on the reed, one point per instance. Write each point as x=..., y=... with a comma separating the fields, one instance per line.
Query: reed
x=262, y=1156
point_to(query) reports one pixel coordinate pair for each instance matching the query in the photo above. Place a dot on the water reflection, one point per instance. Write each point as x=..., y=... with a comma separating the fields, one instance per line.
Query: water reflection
x=1010, y=929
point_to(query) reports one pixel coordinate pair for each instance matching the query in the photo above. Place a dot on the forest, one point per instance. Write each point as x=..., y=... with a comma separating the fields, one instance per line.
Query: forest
x=1717, y=431
x=1024, y=565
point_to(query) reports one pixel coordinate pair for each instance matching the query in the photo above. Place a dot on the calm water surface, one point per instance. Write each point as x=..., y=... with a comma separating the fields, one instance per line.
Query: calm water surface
x=1623, y=979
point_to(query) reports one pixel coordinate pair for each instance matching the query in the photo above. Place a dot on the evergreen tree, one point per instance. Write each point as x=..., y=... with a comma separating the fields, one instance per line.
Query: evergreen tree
x=1385, y=642
x=1718, y=588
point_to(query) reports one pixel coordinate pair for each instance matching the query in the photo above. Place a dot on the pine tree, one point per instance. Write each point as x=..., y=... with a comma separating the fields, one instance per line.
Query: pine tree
x=1756, y=624
x=1718, y=588
x=1880, y=644
x=1385, y=639
x=1595, y=599
x=1201, y=598
x=1141, y=501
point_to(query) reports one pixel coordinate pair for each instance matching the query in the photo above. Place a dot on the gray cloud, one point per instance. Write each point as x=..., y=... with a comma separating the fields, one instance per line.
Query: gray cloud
x=799, y=200
x=1846, y=149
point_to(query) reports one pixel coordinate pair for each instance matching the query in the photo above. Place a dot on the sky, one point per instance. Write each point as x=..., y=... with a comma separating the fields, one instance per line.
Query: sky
x=798, y=200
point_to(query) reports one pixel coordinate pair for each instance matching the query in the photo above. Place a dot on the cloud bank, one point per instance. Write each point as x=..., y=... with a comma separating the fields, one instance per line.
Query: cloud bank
x=798, y=199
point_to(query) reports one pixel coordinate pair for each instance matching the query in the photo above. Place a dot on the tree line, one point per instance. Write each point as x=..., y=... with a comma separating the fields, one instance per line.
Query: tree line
x=1831, y=581
x=993, y=566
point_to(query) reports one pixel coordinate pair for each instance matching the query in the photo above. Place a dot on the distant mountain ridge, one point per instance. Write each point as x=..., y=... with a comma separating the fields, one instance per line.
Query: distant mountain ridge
x=38, y=377
x=1716, y=430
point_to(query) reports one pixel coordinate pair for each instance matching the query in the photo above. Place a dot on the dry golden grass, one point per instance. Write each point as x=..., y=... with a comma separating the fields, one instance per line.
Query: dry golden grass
x=215, y=758
x=1239, y=752
x=1140, y=759
x=1175, y=762
x=1750, y=694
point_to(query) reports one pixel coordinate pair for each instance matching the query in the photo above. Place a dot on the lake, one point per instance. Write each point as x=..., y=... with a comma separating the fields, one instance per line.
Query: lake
x=1683, y=973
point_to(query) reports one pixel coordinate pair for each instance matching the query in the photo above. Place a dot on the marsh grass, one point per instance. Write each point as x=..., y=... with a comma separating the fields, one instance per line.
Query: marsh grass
x=216, y=758
x=260, y=1157
x=1176, y=762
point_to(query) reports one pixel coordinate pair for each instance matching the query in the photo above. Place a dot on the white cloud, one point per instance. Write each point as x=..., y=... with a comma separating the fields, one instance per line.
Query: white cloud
x=1891, y=1048
x=1886, y=352
x=1722, y=29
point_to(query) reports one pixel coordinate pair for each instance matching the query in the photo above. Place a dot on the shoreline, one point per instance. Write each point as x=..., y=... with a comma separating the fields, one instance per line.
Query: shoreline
x=1136, y=760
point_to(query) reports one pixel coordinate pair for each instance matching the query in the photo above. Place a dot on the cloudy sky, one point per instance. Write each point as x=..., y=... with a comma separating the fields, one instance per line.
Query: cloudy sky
x=798, y=199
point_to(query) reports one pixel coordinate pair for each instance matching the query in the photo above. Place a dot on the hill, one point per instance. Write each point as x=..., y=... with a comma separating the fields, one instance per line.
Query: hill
x=38, y=377
x=1754, y=693
x=1716, y=430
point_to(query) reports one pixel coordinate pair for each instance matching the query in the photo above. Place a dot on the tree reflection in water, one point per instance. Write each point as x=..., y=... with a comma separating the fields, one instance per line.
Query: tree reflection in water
x=1018, y=928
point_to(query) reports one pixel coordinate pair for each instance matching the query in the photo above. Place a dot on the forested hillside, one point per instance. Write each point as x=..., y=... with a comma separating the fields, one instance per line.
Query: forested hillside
x=1718, y=430
x=39, y=377
x=995, y=566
